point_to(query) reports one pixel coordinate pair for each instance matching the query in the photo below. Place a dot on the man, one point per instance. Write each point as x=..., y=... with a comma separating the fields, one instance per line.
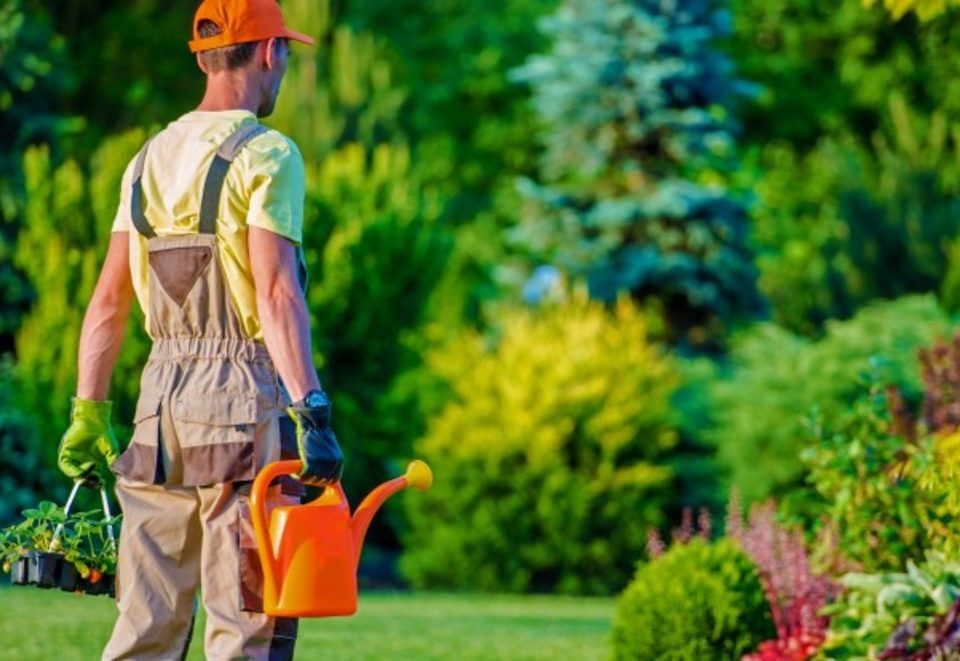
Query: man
x=207, y=237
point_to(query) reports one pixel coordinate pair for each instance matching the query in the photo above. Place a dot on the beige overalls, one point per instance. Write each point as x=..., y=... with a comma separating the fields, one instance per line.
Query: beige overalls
x=210, y=415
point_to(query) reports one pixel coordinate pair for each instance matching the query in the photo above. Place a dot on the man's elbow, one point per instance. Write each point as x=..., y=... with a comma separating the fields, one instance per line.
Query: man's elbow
x=112, y=301
x=278, y=299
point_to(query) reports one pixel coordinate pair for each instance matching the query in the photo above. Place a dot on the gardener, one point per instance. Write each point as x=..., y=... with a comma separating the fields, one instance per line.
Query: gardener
x=207, y=236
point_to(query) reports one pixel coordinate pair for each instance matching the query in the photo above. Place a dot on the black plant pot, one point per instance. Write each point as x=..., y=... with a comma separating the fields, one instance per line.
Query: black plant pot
x=69, y=578
x=103, y=585
x=43, y=569
x=19, y=572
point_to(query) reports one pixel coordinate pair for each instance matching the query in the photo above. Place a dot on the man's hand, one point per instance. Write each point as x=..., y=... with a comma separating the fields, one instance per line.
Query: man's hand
x=318, y=447
x=89, y=446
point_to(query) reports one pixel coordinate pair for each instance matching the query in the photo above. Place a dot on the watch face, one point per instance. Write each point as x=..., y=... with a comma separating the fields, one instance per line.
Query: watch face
x=315, y=399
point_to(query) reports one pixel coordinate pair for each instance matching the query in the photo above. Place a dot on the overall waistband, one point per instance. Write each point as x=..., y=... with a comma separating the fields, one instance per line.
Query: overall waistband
x=239, y=348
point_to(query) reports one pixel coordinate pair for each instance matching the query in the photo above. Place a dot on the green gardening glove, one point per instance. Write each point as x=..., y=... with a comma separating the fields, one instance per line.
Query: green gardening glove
x=89, y=446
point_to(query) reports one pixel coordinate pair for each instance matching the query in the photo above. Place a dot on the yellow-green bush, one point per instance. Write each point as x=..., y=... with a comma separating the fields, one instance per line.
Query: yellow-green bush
x=549, y=456
x=67, y=220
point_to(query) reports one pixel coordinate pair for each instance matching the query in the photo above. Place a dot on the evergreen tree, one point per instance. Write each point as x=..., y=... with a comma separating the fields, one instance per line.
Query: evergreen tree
x=634, y=101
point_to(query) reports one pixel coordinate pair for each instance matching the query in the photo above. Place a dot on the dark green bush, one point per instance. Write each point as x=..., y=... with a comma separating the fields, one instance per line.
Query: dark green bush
x=776, y=379
x=696, y=601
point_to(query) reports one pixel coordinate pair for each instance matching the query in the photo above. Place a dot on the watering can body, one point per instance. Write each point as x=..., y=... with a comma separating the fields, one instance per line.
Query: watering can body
x=310, y=552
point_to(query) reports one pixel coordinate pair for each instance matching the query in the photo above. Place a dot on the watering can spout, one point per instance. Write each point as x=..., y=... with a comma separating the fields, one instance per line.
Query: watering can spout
x=418, y=476
x=310, y=552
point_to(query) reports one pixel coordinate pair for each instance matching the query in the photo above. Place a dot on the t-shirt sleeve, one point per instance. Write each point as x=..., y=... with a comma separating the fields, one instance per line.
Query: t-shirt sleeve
x=277, y=189
x=122, y=221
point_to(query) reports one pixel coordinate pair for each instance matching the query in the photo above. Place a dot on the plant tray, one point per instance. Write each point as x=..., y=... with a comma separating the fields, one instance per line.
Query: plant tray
x=52, y=570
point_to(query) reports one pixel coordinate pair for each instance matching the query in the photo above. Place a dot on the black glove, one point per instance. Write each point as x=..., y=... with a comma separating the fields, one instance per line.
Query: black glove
x=316, y=443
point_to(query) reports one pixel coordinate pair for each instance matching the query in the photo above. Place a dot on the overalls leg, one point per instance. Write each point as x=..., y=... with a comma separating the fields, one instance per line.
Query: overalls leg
x=232, y=632
x=158, y=567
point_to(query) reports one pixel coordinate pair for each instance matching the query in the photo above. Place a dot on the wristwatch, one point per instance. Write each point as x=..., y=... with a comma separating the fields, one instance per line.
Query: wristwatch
x=314, y=399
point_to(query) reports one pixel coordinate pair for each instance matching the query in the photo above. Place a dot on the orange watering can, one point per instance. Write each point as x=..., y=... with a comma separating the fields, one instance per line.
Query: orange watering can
x=310, y=552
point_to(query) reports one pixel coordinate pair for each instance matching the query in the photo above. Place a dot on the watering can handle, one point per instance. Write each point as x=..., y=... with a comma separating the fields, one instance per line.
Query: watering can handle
x=258, y=514
x=258, y=496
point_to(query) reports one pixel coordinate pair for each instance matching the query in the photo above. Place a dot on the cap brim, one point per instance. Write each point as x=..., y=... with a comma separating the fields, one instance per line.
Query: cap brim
x=299, y=36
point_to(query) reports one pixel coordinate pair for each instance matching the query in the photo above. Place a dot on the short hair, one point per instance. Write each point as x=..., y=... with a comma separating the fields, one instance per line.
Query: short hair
x=226, y=57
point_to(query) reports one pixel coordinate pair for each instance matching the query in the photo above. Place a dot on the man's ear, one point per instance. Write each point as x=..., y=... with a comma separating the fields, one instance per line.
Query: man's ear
x=270, y=56
x=202, y=64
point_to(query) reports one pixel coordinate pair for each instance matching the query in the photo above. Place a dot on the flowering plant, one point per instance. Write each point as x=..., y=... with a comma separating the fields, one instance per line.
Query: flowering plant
x=796, y=594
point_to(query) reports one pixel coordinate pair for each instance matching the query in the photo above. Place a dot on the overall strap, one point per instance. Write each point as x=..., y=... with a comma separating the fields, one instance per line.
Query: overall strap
x=136, y=203
x=213, y=184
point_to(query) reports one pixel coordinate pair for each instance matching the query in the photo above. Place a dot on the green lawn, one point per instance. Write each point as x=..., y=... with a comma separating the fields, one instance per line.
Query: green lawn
x=42, y=624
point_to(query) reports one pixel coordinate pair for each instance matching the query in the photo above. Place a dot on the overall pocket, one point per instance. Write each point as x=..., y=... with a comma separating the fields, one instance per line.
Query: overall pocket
x=216, y=433
x=139, y=461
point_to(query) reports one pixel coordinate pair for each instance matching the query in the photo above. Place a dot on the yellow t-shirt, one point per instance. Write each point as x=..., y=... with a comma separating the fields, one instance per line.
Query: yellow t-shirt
x=264, y=187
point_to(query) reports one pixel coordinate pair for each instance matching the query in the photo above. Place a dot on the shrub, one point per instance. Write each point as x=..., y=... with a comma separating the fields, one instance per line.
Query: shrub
x=860, y=468
x=935, y=462
x=374, y=250
x=697, y=601
x=22, y=475
x=870, y=222
x=886, y=471
x=549, y=458
x=65, y=234
x=893, y=611
x=776, y=379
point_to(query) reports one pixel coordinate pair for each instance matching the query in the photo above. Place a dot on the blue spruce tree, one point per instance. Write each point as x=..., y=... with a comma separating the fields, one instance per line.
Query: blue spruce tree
x=634, y=100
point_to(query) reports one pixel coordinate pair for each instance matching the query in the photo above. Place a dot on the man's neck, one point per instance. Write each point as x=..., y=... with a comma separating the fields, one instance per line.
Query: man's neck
x=229, y=91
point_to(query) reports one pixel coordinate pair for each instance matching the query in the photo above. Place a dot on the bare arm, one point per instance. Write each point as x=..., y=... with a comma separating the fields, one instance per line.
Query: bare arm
x=282, y=310
x=103, y=325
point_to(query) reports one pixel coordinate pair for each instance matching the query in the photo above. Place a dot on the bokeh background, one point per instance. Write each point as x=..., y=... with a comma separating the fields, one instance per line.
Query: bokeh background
x=607, y=265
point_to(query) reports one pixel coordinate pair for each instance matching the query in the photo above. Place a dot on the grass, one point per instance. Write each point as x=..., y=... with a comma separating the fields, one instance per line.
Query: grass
x=45, y=624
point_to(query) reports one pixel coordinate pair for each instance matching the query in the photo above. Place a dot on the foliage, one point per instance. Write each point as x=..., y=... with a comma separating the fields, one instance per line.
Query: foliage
x=23, y=477
x=869, y=222
x=81, y=537
x=925, y=9
x=86, y=543
x=872, y=217
x=885, y=472
x=633, y=97
x=774, y=379
x=795, y=593
x=374, y=248
x=68, y=220
x=31, y=79
x=697, y=601
x=34, y=533
x=158, y=80
x=453, y=58
x=389, y=74
x=859, y=467
x=684, y=534
x=828, y=70
x=891, y=610
x=936, y=462
x=342, y=94
x=549, y=455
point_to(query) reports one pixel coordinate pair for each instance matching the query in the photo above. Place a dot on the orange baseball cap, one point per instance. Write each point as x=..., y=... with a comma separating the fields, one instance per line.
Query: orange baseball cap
x=241, y=21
